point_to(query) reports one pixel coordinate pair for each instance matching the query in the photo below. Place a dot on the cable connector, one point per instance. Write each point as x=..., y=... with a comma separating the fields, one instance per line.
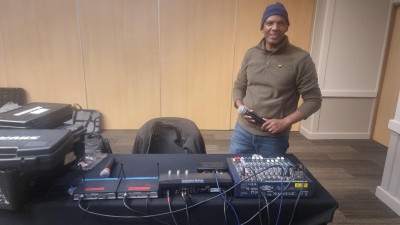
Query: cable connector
x=187, y=198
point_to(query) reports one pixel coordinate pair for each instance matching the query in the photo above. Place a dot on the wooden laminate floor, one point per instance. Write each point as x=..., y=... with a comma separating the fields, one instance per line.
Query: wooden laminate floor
x=349, y=169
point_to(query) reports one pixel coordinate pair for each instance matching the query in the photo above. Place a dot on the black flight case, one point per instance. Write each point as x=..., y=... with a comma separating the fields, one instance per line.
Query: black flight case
x=29, y=160
x=37, y=115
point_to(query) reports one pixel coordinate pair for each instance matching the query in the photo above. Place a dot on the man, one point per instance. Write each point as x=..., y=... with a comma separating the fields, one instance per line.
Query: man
x=273, y=76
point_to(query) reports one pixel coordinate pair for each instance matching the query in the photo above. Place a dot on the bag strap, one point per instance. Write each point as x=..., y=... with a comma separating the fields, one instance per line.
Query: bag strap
x=77, y=106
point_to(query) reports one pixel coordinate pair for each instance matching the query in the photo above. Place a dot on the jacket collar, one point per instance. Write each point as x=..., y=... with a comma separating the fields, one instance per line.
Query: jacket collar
x=285, y=42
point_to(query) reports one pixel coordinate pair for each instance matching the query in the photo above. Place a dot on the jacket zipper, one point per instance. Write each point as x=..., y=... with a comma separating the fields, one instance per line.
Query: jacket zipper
x=269, y=57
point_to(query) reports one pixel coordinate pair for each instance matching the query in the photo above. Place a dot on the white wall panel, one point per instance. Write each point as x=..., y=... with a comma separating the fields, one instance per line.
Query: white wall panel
x=345, y=115
x=356, y=44
x=348, y=48
x=389, y=190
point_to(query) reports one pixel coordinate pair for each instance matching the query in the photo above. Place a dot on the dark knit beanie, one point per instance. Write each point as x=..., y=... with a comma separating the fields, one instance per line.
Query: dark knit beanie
x=274, y=9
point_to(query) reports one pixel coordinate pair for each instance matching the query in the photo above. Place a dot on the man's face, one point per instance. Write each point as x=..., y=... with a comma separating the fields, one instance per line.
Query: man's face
x=274, y=31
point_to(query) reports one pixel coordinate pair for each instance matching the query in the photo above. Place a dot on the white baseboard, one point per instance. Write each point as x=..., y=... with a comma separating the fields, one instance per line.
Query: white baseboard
x=317, y=136
x=388, y=199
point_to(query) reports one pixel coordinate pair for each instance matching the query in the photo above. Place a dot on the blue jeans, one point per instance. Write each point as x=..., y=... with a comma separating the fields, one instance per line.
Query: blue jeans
x=243, y=142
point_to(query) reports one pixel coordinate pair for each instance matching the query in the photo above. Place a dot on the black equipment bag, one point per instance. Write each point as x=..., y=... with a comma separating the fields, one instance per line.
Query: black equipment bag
x=14, y=95
x=89, y=118
x=37, y=115
x=97, y=143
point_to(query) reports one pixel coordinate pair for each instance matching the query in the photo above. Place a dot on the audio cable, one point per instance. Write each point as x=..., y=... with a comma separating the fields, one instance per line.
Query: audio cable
x=259, y=199
x=188, y=201
x=225, y=200
x=281, y=201
x=86, y=210
x=170, y=208
x=124, y=200
x=301, y=190
x=273, y=200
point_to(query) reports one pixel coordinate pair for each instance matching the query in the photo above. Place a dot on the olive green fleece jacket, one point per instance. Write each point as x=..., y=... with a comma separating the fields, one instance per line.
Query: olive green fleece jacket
x=271, y=83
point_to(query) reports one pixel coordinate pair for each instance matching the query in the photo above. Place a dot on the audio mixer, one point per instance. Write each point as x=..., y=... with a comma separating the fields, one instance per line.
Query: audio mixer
x=256, y=176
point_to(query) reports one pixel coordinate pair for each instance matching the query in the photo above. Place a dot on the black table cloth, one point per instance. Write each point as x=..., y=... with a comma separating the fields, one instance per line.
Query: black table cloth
x=56, y=205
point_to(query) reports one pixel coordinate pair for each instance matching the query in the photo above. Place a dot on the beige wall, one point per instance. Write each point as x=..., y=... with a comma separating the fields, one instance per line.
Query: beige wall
x=40, y=50
x=136, y=59
x=390, y=84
